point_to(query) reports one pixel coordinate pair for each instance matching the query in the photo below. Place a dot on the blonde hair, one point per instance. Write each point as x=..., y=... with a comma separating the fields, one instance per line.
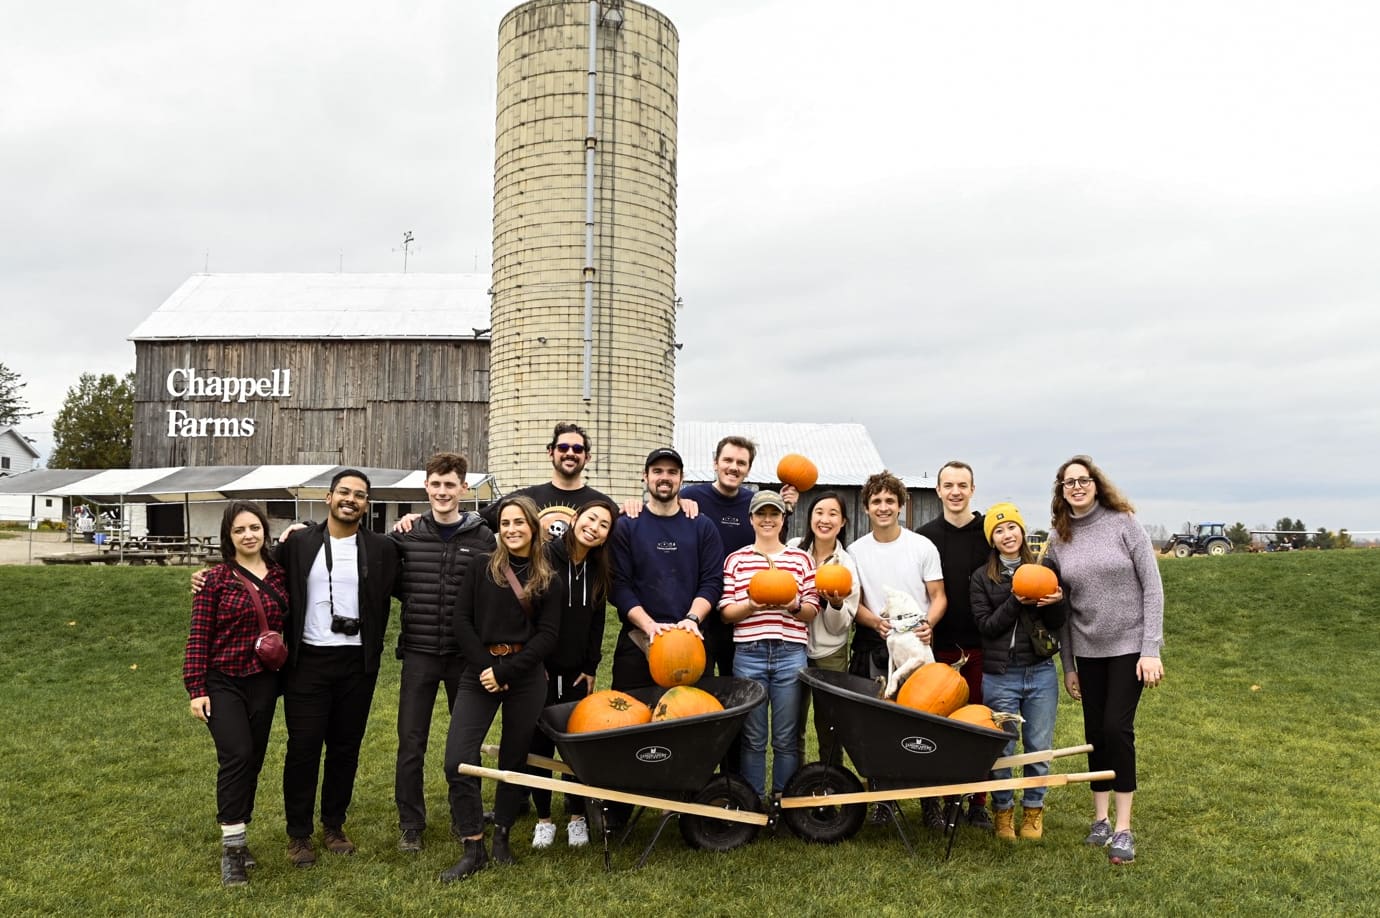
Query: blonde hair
x=539, y=570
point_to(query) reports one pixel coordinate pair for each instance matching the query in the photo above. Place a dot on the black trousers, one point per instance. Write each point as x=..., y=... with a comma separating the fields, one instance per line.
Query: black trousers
x=474, y=712
x=242, y=709
x=326, y=699
x=560, y=688
x=1111, y=693
x=422, y=675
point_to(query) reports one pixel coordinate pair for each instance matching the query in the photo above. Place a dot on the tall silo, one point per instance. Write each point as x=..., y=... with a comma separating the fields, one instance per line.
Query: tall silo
x=584, y=237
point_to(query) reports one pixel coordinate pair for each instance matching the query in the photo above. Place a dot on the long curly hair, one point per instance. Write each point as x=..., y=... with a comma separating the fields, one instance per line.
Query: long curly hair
x=539, y=570
x=1061, y=514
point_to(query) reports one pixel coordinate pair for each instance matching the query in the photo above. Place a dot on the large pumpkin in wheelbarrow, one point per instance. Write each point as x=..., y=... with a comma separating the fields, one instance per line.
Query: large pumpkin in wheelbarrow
x=936, y=688
x=607, y=710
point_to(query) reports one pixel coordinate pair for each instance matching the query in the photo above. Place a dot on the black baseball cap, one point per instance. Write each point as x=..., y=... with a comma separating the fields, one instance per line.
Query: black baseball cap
x=664, y=452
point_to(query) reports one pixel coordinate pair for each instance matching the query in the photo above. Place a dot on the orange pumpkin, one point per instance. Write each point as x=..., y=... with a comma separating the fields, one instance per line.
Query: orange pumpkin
x=685, y=701
x=937, y=688
x=772, y=587
x=676, y=657
x=1034, y=581
x=607, y=710
x=834, y=578
x=797, y=471
x=978, y=714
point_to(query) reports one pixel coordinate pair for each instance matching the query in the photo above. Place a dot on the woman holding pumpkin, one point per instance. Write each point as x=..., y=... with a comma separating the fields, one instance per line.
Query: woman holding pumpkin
x=1114, y=633
x=770, y=637
x=580, y=559
x=231, y=690
x=1018, y=673
x=507, y=618
x=827, y=644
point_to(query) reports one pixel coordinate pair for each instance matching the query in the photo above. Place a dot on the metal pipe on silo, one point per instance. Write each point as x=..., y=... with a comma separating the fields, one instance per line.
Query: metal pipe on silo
x=590, y=143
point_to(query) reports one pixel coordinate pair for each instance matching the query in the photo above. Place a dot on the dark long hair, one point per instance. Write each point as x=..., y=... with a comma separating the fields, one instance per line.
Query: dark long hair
x=600, y=571
x=807, y=541
x=539, y=572
x=1061, y=514
x=227, y=522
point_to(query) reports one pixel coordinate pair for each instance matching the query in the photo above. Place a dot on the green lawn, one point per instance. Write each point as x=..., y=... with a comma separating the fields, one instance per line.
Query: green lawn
x=1252, y=801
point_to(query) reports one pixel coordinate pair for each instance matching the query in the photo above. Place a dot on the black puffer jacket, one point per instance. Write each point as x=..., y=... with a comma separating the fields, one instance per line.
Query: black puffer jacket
x=434, y=572
x=997, y=613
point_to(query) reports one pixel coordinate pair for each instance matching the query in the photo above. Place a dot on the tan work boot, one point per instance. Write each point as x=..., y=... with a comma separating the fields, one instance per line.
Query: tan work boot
x=1032, y=823
x=301, y=852
x=1004, y=820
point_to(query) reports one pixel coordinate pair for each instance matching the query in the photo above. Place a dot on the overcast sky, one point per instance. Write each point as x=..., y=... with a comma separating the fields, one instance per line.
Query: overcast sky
x=1007, y=232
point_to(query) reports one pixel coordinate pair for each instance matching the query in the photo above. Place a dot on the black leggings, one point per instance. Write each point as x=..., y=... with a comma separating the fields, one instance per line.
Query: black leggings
x=560, y=688
x=1111, y=693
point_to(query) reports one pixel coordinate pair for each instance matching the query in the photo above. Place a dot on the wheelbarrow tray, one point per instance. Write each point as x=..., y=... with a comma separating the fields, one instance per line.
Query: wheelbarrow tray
x=894, y=746
x=672, y=756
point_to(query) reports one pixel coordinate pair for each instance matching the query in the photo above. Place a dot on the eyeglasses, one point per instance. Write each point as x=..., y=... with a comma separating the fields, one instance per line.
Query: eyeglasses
x=348, y=492
x=1071, y=483
x=576, y=448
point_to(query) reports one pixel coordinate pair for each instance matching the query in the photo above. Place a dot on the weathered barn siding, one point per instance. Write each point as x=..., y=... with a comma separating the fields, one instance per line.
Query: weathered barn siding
x=387, y=404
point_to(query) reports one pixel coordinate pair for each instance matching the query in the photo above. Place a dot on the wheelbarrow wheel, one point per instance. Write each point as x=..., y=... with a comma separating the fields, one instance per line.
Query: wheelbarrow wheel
x=827, y=823
x=732, y=793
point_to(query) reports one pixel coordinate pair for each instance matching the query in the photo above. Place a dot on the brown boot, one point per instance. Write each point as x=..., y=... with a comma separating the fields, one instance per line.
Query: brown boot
x=336, y=841
x=1032, y=823
x=301, y=852
x=1004, y=820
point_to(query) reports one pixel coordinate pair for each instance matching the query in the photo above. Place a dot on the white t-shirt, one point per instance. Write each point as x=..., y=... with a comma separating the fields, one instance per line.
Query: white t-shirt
x=906, y=564
x=343, y=583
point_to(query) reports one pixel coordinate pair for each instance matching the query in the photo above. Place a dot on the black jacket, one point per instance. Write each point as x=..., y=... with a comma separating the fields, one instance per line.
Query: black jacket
x=434, y=572
x=378, y=569
x=488, y=613
x=580, y=645
x=1005, y=641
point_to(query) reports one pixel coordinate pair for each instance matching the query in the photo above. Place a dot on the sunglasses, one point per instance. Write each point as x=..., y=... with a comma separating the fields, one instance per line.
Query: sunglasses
x=576, y=448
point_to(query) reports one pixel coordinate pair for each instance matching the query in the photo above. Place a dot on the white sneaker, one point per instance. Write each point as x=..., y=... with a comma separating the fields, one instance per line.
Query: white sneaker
x=577, y=833
x=543, y=835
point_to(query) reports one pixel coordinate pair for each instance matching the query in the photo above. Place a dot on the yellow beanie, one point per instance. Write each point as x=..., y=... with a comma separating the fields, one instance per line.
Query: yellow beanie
x=998, y=514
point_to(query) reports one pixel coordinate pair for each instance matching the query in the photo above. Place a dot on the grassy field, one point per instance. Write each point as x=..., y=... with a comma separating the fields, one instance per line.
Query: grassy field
x=1253, y=800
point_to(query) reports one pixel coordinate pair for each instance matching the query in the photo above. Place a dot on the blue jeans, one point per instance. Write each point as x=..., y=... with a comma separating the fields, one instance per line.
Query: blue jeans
x=774, y=665
x=1033, y=693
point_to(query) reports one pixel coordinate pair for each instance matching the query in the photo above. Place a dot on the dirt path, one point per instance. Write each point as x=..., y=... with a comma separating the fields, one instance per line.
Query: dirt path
x=45, y=544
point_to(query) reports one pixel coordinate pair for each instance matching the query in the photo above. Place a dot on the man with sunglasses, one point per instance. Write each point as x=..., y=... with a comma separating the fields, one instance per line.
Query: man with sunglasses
x=556, y=500
x=340, y=582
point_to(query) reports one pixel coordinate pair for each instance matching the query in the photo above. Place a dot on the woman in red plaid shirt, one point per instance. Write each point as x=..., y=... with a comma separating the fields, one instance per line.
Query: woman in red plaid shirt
x=231, y=691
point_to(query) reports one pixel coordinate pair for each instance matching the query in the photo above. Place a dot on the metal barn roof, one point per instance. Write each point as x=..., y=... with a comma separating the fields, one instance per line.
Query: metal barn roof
x=844, y=453
x=358, y=306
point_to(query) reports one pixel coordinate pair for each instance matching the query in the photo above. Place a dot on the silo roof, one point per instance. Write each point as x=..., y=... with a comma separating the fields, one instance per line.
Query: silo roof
x=350, y=306
x=844, y=453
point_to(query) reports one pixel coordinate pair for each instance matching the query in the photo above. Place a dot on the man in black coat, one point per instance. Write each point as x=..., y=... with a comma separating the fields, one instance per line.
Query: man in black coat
x=340, y=583
x=438, y=552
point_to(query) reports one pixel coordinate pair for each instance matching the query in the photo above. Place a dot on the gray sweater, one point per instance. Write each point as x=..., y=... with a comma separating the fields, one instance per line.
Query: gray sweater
x=1112, y=584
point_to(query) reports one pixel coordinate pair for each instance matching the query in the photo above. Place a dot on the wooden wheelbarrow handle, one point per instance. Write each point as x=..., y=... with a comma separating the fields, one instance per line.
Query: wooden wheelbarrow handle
x=614, y=796
x=1010, y=761
x=538, y=761
x=942, y=790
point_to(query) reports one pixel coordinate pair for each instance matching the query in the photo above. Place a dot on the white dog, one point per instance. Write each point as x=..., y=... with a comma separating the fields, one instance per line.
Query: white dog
x=907, y=652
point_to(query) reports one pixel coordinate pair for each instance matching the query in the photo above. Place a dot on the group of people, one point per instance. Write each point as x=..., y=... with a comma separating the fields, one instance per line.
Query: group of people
x=505, y=609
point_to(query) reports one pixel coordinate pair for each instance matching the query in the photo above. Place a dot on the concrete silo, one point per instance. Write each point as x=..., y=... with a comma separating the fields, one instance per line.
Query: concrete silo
x=584, y=240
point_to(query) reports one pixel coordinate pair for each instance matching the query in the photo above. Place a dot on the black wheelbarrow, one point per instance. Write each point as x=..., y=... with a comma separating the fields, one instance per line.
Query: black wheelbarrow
x=904, y=754
x=666, y=766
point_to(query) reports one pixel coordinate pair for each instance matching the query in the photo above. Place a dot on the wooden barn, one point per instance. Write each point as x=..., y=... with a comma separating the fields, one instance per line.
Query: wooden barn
x=375, y=370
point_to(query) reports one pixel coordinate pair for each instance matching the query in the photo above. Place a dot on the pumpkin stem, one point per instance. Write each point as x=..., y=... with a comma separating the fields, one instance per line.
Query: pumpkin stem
x=962, y=660
x=1001, y=717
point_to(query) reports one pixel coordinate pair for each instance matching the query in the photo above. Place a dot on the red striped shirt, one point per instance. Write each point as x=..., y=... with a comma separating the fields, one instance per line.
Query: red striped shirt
x=769, y=624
